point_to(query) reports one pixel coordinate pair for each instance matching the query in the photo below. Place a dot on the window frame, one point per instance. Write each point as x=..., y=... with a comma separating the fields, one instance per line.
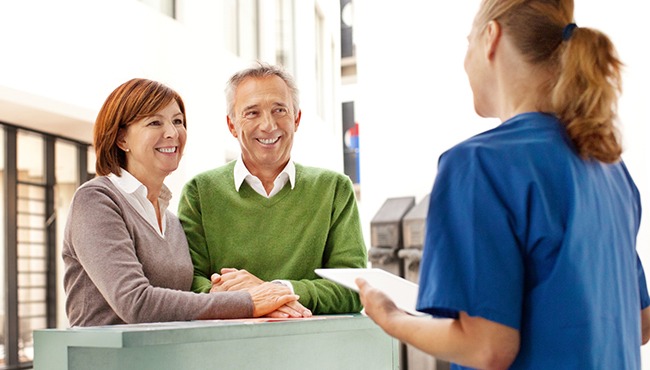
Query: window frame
x=9, y=190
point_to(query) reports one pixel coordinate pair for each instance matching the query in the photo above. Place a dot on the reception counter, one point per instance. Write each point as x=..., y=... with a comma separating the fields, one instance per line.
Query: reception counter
x=321, y=342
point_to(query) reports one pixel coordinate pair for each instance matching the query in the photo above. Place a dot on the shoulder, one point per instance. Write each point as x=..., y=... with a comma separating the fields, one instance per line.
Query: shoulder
x=215, y=175
x=312, y=174
x=96, y=197
x=96, y=187
x=526, y=137
x=320, y=181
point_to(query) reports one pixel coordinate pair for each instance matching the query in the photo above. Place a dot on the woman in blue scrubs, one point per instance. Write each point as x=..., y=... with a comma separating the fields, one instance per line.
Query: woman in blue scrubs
x=530, y=256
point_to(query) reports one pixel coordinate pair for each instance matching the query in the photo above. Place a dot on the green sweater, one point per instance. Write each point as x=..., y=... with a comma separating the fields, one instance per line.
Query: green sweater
x=314, y=225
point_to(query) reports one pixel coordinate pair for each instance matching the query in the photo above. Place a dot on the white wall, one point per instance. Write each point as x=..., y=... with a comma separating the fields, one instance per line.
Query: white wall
x=61, y=59
x=64, y=57
x=414, y=101
x=318, y=140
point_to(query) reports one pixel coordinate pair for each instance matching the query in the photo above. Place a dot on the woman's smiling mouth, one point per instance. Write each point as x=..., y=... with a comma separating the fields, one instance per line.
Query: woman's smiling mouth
x=168, y=149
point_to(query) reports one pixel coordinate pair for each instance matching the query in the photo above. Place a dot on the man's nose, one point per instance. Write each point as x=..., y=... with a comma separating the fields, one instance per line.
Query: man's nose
x=267, y=122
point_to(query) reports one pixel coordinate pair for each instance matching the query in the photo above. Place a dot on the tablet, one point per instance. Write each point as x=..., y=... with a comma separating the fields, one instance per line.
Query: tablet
x=403, y=292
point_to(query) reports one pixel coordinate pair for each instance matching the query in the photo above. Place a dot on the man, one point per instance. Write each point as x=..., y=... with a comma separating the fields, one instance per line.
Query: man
x=264, y=217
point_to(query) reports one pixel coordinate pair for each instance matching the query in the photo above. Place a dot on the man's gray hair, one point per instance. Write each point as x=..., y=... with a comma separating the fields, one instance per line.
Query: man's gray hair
x=261, y=70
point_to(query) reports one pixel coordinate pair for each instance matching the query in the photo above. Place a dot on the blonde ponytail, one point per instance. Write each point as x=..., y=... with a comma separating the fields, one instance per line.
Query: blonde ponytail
x=586, y=93
x=587, y=81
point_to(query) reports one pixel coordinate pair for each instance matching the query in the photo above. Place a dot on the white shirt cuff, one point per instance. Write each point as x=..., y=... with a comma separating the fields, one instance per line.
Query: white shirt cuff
x=286, y=283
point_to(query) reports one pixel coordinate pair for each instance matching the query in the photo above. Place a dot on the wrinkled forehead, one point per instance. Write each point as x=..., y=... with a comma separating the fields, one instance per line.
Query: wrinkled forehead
x=270, y=90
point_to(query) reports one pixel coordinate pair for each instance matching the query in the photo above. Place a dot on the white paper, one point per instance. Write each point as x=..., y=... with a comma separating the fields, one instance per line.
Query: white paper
x=403, y=292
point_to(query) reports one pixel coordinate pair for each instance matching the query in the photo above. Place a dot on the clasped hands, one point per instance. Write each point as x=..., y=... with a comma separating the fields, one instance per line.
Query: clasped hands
x=269, y=299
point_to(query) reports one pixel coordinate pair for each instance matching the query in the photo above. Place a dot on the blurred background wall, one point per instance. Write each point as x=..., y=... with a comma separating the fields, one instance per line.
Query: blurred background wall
x=382, y=86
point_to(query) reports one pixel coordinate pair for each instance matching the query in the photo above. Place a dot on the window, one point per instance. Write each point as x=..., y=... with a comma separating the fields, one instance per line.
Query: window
x=68, y=178
x=3, y=211
x=39, y=174
x=319, y=62
x=285, y=35
x=167, y=7
x=248, y=20
x=347, y=44
x=230, y=25
x=32, y=218
x=241, y=28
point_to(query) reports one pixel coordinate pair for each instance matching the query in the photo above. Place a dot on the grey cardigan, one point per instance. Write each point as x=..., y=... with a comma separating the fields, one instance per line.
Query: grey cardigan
x=118, y=269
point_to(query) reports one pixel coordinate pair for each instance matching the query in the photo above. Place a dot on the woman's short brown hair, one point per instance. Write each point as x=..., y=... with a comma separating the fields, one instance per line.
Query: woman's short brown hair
x=132, y=101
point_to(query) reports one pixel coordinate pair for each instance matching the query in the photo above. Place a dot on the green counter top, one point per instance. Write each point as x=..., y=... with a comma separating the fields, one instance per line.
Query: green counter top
x=322, y=342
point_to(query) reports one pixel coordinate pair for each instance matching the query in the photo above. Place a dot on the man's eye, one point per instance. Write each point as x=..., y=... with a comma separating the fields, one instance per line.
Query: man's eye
x=250, y=114
x=280, y=111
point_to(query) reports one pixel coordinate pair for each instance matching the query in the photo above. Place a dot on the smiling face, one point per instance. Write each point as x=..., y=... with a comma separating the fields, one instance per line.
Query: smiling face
x=264, y=122
x=154, y=145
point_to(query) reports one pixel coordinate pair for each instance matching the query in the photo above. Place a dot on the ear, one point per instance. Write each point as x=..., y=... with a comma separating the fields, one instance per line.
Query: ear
x=231, y=126
x=492, y=37
x=297, y=121
x=121, y=141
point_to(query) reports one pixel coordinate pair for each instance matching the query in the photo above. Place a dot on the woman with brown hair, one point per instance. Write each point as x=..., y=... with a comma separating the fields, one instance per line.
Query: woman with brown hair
x=126, y=257
x=530, y=256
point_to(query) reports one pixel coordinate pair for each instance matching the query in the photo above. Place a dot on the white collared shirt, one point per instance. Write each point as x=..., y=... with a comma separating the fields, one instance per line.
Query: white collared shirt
x=288, y=174
x=136, y=194
x=242, y=174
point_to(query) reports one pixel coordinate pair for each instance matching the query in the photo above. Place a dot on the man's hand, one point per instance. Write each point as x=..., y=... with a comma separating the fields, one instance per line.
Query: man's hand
x=232, y=279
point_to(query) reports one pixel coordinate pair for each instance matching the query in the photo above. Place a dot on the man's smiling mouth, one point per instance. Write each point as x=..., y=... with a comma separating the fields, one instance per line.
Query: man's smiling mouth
x=269, y=141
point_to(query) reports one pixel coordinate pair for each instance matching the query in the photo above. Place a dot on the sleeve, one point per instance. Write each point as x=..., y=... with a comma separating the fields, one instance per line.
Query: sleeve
x=471, y=260
x=345, y=248
x=106, y=250
x=643, y=287
x=190, y=215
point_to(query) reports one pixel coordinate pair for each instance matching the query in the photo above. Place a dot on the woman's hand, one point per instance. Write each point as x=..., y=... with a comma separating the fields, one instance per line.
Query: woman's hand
x=469, y=340
x=270, y=297
x=292, y=309
x=377, y=305
x=264, y=295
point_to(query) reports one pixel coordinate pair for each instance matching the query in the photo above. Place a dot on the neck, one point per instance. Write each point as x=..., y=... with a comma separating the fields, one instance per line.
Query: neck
x=266, y=175
x=520, y=86
x=154, y=187
x=152, y=182
x=267, y=179
x=152, y=195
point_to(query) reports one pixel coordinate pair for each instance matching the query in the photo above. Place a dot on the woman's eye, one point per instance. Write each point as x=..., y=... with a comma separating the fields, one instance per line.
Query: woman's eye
x=154, y=123
x=178, y=122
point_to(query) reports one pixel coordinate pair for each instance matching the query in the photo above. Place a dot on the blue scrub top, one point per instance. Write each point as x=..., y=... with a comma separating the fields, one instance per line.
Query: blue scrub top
x=523, y=232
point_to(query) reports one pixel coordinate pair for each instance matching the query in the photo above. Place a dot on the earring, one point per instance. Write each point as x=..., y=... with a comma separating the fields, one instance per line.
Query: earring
x=127, y=150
